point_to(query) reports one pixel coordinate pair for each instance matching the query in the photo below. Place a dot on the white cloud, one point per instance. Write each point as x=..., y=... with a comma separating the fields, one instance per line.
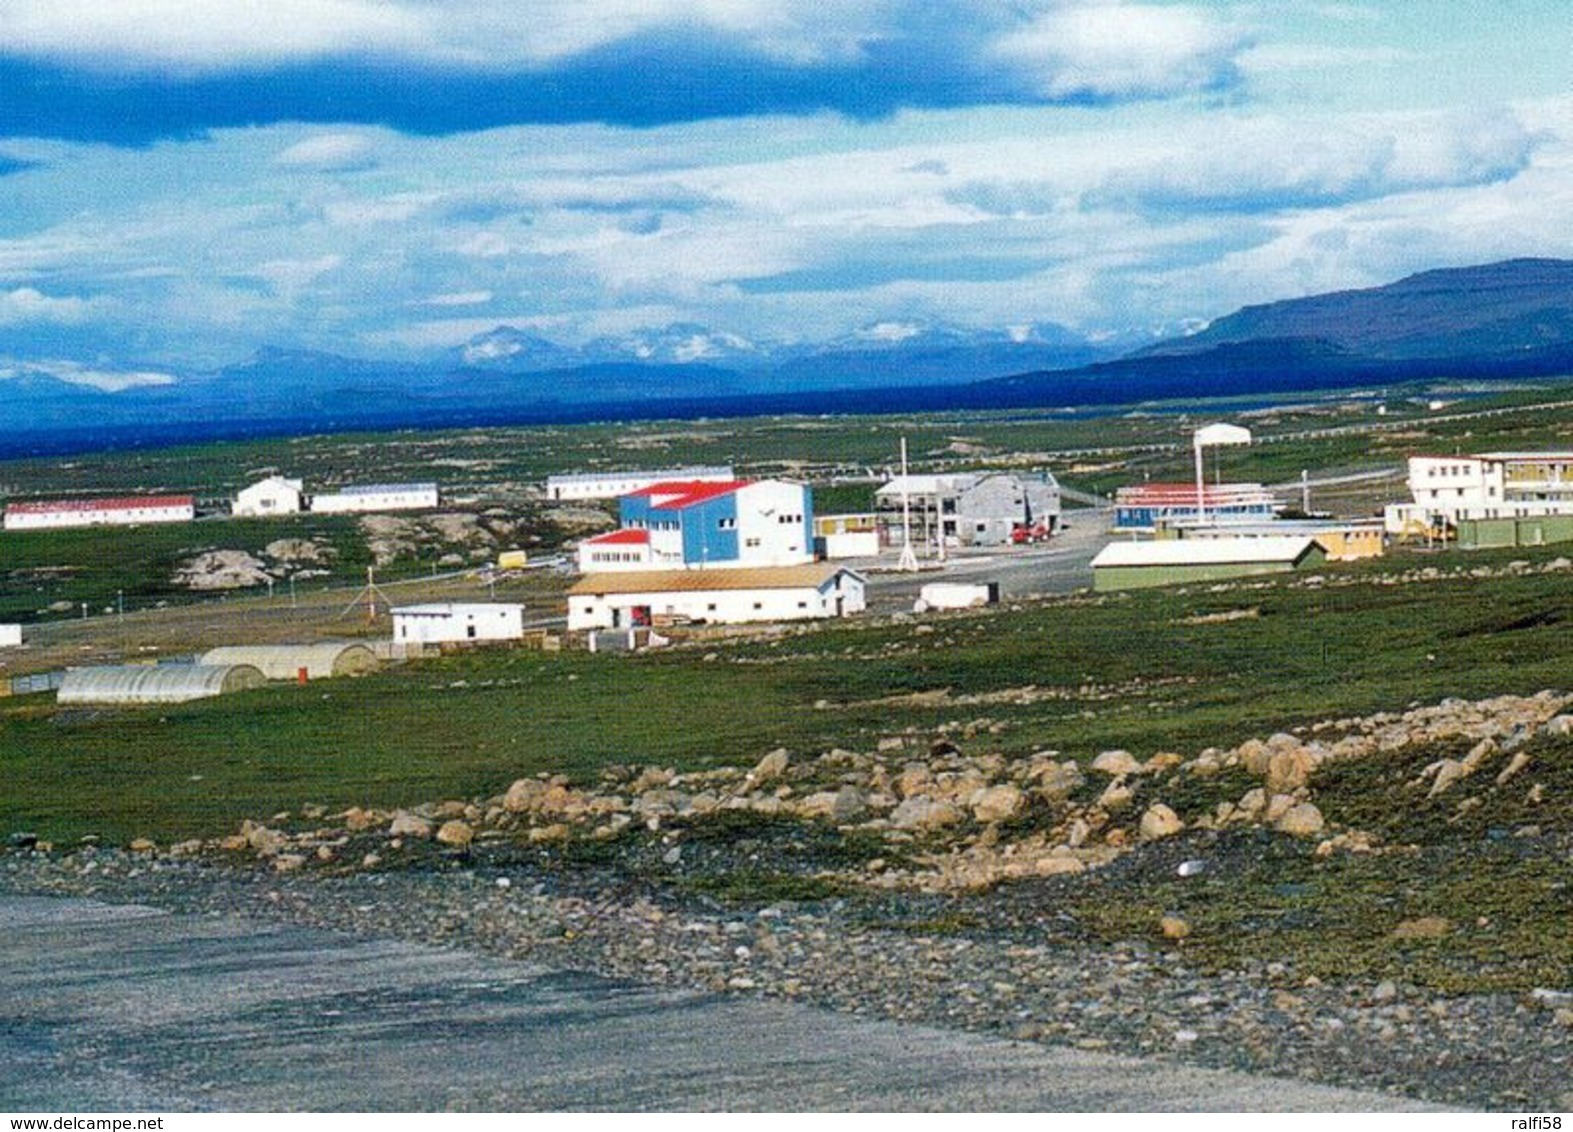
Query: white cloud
x=458, y=299
x=208, y=35
x=28, y=305
x=289, y=276
x=1111, y=49
x=108, y=380
x=329, y=153
x=199, y=35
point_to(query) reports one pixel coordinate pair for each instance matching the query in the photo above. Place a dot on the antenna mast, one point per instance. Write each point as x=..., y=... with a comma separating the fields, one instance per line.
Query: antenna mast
x=909, y=560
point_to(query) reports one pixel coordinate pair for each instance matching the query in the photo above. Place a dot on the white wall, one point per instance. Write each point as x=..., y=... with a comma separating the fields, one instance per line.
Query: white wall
x=411, y=500
x=772, y=524
x=852, y=544
x=589, y=611
x=10, y=636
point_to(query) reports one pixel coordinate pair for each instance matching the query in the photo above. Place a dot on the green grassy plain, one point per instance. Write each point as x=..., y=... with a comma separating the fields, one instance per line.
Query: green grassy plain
x=1078, y=674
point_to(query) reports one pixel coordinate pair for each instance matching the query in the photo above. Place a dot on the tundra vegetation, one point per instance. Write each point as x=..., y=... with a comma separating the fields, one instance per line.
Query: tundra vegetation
x=1372, y=763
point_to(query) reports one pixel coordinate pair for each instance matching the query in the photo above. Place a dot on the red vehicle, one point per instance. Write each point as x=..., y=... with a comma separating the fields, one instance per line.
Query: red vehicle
x=1024, y=535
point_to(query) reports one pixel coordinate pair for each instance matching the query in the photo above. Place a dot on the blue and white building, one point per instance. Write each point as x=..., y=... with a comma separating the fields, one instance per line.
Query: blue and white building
x=692, y=525
x=1156, y=506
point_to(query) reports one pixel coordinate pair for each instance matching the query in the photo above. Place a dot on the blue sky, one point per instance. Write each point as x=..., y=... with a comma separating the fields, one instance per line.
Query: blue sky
x=185, y=181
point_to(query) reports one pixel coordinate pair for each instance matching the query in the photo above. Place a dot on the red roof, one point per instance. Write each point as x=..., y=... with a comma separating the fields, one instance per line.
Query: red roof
x=628, y=536
x=124, y=503
x=677, y=494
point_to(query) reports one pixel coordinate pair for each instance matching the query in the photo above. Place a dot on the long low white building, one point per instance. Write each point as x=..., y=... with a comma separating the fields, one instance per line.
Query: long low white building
x=440, y=623
x=611, y=485
x=126, y=511
x=372, y=498
x=766, y=593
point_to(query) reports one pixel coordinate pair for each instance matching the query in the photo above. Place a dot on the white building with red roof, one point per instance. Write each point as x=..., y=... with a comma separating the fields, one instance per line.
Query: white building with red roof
x=34, y=515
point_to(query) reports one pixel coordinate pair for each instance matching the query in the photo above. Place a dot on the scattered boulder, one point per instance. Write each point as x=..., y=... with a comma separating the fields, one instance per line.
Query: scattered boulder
x=523, y=795
x=1174, y=927
x=771, y=767
x=1116, y=764
x=923, y=813
x=406, y=824
x=1160, y=821
x=841, y=806
x=998, y=803
x=456, y=833
x=1301, y=820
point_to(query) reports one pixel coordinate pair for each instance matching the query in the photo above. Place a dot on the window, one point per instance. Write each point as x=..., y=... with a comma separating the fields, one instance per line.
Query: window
x=759, y=605
x=726, y=524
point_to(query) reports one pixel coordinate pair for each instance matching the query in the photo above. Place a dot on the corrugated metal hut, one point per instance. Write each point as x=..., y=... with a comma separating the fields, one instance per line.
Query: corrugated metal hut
x=156, y=683
x=286, y=662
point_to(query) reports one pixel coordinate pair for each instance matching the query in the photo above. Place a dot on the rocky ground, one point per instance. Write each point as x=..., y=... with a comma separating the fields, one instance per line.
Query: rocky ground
x=1381, y=902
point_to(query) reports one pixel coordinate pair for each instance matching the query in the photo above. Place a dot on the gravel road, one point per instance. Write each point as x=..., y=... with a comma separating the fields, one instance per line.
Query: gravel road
x=117, y=1008
x=821, y=991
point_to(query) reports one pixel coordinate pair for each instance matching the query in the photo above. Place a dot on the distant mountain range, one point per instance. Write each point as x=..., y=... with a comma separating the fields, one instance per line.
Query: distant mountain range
x=1501, y=320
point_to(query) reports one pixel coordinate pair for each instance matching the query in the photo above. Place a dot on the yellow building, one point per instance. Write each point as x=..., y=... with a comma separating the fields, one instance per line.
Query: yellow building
x=1343, y=541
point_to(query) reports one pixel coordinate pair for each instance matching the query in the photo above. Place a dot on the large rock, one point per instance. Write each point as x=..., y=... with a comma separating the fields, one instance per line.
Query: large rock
x=771, y=767
x=914, y=779
x=998, y=803
x=1160, y=821
x=1058, y=781
x=1254, y=755
x=456, y=833
x=919, y=812
x=1289, y=768
x=523, y=795
x=840, y=806
x=1115, y=797
x=262, y=841
x=1302, y=820
x=406, y=824
x=1116, y=764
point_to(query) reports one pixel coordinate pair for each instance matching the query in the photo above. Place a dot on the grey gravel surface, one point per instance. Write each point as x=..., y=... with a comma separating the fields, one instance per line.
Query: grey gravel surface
x=117, y=1008
x=1031, y=984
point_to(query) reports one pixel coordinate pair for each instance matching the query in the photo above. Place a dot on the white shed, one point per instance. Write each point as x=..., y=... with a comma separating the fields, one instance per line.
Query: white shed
x=10, y=636
x=272, y=496
x=446, y=622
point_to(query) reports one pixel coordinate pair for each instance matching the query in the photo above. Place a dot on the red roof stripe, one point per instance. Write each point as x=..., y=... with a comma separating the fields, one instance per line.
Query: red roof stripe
x=629, y=536
x=134, y=503
x=687, y=493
